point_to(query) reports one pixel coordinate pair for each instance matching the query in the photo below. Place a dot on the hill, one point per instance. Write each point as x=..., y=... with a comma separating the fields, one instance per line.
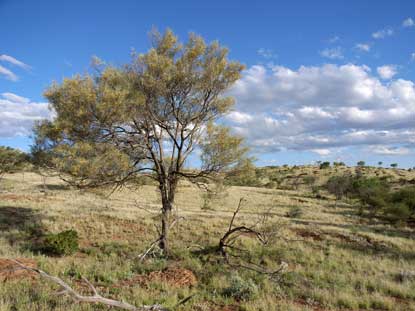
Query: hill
x=333, y=258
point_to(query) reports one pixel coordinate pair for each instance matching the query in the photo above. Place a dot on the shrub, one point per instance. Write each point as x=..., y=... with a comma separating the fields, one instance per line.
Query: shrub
x=62, y=243
x=372, y=192
x=295, y=212
x=339, y=185
x=324, y=165
x=241, y=289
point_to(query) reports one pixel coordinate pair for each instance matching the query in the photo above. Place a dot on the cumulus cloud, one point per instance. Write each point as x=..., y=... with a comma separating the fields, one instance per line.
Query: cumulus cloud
x=18, y=114
x=333, y=53
x=409, y=22
x=318, y=108
x=387, y=71
x=363, y=47
x=383, y=33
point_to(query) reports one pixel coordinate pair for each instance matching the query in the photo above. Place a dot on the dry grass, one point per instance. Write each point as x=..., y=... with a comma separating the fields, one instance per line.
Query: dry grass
x=337, y=260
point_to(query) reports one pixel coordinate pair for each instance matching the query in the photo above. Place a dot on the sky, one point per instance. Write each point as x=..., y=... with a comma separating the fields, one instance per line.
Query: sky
x=324, y=80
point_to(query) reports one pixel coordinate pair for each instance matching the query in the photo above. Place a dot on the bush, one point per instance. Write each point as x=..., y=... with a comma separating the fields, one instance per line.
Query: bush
x=295, y=212
x=339, y=185
x=372, y=192
x=324, y=165
x=62, y=243
x=241, y=289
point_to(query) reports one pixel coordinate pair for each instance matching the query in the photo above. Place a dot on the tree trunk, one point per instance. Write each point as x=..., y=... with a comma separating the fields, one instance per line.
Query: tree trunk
x=165, y=223
x=167, y=198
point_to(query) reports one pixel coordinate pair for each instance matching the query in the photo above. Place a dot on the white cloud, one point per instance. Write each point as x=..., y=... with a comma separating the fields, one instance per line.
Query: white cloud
x=239, y=117
x=322, y=107
x=15, y=98
x=383, y=33
x=18, y=114
x=14, y=61
x=334, y=39
x=266, y=53
x=333, y=53
x=8, y=74
x=364, y=47
x=386, y=150
x=322, y=152
x=413, y=56
x=409, y=22
x=386, y=72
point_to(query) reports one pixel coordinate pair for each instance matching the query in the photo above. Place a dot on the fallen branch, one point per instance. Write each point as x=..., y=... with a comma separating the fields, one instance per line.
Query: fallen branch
x=95, y=298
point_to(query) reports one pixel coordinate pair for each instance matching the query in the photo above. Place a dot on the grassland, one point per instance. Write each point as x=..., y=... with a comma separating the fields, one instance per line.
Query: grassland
x=336, y=259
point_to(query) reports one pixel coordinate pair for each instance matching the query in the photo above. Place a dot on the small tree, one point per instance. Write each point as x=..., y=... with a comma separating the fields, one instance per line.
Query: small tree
x=380, y=163
x=11, y=160
x=339, y=185
x=361, y=163
x=147, y=118
x=394, y=165
x=325, y=165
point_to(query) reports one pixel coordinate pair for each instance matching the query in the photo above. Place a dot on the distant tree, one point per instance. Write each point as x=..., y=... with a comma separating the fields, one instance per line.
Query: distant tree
x=324, y=165
x=339, y=185
x=394, y=165
x=380, y=163
x=147, y=118
x=361, y=163
x=11, y=160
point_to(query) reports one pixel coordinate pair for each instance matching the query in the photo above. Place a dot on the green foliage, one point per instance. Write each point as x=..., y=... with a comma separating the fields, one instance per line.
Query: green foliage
x=394, y=165
x=243, y=174
x=372, y=192
x=324, y=165
x=361, y=163
x=221, y=150
x=241, y=289
x=61, y=244
x=11, y=160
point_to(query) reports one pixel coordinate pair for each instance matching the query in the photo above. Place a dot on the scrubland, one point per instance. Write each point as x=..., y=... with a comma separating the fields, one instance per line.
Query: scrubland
x=336, y=259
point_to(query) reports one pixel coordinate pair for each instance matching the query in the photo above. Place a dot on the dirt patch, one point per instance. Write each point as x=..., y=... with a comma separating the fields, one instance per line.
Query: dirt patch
x=314, y=235
x=177, y=277
x=362, y=241
x=9, y=270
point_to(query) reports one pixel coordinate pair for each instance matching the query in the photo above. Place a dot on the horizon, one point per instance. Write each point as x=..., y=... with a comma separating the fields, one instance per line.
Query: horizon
x=317, y=87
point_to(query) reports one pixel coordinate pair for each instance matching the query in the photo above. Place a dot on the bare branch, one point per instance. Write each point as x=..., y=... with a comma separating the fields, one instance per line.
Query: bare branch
x=96, y=298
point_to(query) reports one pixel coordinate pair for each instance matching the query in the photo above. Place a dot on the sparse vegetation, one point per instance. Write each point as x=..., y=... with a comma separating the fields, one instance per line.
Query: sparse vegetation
x=326, y=246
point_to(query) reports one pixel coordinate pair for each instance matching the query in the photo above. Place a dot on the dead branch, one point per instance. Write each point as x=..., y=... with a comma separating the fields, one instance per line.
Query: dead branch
x=226, y=244
x=95, y=298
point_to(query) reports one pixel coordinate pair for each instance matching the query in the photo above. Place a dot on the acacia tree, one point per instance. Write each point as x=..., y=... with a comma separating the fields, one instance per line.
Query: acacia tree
x=146, y=118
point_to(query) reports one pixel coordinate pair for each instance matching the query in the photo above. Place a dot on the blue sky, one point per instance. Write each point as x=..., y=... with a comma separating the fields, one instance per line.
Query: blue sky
x=325, y=80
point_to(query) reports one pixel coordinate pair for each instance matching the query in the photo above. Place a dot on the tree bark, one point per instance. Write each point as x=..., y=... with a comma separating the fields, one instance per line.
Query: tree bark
x=167, y=191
